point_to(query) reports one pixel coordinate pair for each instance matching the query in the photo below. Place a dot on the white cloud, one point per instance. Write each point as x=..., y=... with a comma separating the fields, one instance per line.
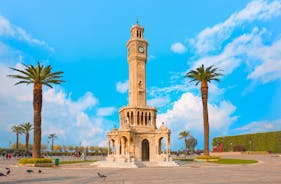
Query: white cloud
x=270, y=67
x=178, y=48
x=67, y=118
x=215, y=90
x=263, y=60
x=227, y=60
x=9, y=30
x=53, y=96
x=186, y=113
x=85, y=102
x=8, y=89
x=106, y=111
x=122, y=87
x=85, y=124
x=260, y=126
x=159, y=101
x=155, y=91
x=212, y=38
x=60, y=112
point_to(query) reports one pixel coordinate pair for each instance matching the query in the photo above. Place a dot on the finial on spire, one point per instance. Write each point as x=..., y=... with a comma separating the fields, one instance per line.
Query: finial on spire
x=137, y=21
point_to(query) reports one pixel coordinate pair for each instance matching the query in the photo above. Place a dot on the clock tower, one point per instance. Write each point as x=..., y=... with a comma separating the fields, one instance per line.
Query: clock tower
x=137, y=56
x=138, y=139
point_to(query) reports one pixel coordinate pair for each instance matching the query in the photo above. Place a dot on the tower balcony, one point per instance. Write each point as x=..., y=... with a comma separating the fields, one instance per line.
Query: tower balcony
x=134, y=116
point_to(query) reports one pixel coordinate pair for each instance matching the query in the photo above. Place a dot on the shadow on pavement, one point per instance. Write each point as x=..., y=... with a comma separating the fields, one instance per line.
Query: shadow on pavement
x=36, y=180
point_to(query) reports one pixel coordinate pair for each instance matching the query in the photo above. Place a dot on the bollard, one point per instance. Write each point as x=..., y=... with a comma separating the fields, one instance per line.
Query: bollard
x=57, y=162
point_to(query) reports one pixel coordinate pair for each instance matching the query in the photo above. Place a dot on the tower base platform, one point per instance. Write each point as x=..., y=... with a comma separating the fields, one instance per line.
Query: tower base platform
x=134, y=164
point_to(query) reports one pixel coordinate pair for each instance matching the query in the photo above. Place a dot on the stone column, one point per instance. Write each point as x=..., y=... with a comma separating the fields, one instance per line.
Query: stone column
x=122, y=146
x=118, y=146
x=167, y=145
x=113, y=148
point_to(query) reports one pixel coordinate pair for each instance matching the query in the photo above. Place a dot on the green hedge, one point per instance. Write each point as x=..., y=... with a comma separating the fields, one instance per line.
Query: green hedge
x=70, y=153
x=207, y=157
x=35, y=160
x=235, y=161
x=269, y=141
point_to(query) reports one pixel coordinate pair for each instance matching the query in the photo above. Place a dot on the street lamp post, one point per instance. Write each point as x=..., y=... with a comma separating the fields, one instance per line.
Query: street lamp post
x=47, y=149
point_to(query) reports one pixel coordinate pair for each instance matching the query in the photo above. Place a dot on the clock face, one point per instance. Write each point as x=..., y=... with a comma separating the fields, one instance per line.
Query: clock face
x=141, y=49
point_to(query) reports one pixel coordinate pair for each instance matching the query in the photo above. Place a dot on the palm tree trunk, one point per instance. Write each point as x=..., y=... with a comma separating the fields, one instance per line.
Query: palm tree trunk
x=37, y=106
x=26, y=142
x=52, y=144
x=204, y=95
x=185, y=142
x=17, y=142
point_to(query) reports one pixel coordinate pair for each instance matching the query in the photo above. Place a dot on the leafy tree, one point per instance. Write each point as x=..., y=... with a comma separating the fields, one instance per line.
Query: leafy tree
x=183, y=135
x=191, y=143
x=81, y=148
x=38, y=76
x=57, y=148
x=27, y=127
x=92, y=148
x=76, y=148
x=103, y=150
x=20, y=146
x=203, y=76
x=17, y=130
x=52, y=137
x=70, y=148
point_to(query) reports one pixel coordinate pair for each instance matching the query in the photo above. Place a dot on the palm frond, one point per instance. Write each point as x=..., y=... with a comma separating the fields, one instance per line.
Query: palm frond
x=23, y=82
x=202, y=74
x=37, y=74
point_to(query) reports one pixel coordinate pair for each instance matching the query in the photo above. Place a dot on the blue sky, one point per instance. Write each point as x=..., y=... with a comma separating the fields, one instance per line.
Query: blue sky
x=87, y=40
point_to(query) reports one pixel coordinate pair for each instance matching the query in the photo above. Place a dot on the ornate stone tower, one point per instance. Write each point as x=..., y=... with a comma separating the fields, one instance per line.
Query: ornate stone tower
x=137, y=55
x=138, y=138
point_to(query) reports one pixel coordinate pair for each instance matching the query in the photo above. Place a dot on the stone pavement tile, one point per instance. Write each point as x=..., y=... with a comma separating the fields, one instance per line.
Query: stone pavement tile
x=267, y=171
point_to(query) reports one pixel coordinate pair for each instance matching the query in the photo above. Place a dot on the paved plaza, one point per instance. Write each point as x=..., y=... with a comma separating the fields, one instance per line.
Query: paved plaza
x=268, y=170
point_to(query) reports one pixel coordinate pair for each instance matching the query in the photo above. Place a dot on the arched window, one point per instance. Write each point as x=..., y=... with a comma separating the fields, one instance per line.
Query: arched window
x=162, y=146
x=149, y=119
x=128, y=118
x=141, y=118
x=145, y=119
x=112, y=148
x=138, y=118
x=132, y=118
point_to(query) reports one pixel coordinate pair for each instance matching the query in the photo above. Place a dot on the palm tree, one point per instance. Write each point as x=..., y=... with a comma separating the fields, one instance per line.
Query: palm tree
x=204, y=75
x=52, y=137
x=37, y=75
x=184, y=134
x=26, y=128
x=17, y=130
